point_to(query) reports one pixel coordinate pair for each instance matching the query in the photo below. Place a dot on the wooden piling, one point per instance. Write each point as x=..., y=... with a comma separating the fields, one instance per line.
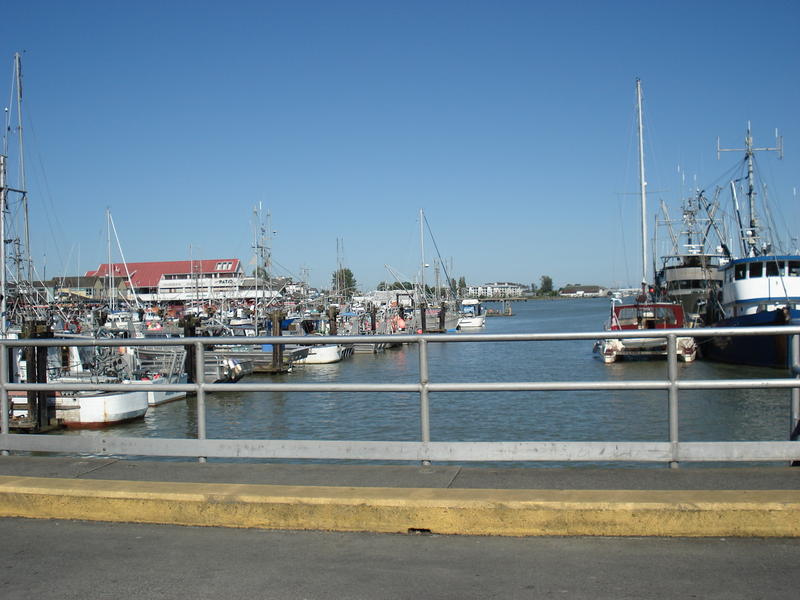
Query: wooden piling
x=277, y=349
x=189, y=324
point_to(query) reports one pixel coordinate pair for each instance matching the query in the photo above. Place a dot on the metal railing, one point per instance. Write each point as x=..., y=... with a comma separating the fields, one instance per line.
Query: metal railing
x=425, y=450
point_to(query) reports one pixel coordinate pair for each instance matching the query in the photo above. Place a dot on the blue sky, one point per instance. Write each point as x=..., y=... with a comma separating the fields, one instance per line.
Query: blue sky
x=510, y=123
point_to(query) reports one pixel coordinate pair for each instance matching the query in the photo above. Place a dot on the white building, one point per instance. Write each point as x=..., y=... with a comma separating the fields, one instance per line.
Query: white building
x=496, y=290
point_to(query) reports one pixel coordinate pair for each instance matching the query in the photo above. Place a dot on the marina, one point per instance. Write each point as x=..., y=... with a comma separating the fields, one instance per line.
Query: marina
x=576, y=416
x=268, y=358
x=400, y=300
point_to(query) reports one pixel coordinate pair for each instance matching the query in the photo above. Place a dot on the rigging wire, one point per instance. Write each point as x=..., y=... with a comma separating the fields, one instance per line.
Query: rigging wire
x=450, y=284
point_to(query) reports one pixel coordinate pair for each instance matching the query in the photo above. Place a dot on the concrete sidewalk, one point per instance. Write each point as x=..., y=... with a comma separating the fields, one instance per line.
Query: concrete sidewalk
x=691, y=502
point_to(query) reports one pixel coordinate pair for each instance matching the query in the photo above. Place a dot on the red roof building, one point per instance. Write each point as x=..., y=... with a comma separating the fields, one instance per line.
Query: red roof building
x=176, y=280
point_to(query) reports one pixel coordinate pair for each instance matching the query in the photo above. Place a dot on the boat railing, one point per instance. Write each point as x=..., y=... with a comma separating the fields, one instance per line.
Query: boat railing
x=672, y=451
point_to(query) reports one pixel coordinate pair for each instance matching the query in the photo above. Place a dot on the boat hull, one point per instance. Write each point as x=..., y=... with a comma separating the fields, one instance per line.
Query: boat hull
x=611, y=350
x=472, y=322
x=752, y=350
x=100, y=410
x=327, y=354
x=155, y=398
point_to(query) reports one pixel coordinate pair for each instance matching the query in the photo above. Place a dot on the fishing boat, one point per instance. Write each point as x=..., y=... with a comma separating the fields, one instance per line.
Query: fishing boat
x=644, y=313
x=690, y=273
x=761, y=288
x=89, y=410
x=85, y=364
x=472, y=315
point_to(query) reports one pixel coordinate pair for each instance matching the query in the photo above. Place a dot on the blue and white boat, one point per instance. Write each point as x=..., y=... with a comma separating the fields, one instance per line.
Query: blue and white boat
x=757, y=291
x=761, y=288
x=471, y=315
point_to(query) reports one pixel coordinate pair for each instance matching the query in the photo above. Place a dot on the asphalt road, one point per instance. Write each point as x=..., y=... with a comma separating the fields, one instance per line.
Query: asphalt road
x=86, y=560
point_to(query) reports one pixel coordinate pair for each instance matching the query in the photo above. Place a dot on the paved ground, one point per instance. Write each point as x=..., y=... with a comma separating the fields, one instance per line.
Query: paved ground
x=84, y=561
x=441, y=477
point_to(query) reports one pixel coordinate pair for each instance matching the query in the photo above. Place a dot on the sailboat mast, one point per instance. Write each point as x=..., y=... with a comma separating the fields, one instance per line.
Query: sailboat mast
x=256, y=247
x=18, y=80
x=2, y=246
x=111, y=306
x=642, y=182
x=422, y=254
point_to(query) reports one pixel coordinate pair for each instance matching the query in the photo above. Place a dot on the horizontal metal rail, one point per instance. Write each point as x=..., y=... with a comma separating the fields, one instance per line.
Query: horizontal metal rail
x=424, y=450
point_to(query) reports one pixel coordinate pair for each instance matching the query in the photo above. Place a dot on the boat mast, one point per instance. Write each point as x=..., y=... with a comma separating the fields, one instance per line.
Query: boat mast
x=2, y=245
x=111, y=305
x=749, y=237
x=18, y=79
x=256, y=247
x=422, y=255
x=642, y=182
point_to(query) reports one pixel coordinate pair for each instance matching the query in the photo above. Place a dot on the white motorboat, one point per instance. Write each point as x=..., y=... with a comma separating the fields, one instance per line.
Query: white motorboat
x=325, y=354
x=472, y=315
x=644, y=316
x=155, y=397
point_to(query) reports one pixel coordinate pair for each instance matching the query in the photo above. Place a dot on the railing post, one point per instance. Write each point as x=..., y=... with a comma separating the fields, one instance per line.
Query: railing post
x=672, y=372
x=4, y=425
x=200, y=383
x=794, y=426
x=424, y=405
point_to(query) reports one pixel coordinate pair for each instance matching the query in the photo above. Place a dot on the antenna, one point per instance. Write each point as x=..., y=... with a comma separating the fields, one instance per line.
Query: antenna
x=749, y=236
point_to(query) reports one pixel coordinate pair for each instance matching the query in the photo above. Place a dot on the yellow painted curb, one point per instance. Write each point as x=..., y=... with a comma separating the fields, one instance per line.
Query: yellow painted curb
x=693, y=513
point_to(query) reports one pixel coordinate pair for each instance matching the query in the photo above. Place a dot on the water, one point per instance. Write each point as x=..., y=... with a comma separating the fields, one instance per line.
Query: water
x=480, y=416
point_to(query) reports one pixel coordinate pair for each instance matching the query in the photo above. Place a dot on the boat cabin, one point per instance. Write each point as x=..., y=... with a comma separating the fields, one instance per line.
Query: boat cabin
x=761, y=283
x=654, y=315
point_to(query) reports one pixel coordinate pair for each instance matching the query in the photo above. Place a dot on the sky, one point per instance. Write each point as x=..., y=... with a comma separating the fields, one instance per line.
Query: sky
x=510, y=124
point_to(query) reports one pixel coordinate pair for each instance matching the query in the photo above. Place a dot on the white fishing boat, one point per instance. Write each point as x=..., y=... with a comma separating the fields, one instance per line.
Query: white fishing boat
x=760, y=288
x=472, y=315
x=100, y=409
x=690, y=272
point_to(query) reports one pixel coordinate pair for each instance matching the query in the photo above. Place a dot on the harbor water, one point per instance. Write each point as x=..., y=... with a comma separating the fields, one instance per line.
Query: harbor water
x=705, y=415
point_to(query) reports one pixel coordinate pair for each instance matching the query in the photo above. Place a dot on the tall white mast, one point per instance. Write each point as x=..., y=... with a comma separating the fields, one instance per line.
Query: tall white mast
x=3, y=246
x=22, y=182
x=422, y=254
x=111, y=305
x=642, y=182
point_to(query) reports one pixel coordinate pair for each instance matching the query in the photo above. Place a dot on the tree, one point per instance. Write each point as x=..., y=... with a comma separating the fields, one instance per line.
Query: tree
x=462, y=284
x=343, y=282
x=546, y=286
x=533, y=288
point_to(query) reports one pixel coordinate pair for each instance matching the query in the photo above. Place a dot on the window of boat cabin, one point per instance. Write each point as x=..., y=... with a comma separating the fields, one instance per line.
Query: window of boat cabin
x=774, y=268
x=794, y=268
x=627, y=316
x=740, y=271
x=756, y=269
x=665, y=315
